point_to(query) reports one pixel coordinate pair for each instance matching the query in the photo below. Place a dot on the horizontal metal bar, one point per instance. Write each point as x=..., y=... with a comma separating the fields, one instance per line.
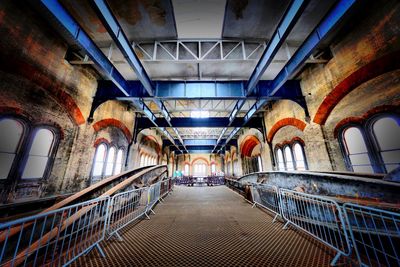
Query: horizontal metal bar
x=198, y=90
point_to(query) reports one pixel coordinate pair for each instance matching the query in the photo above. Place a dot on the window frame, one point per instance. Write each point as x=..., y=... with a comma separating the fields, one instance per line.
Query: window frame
x=290, y=145
x=52, y=152
x=366, y=129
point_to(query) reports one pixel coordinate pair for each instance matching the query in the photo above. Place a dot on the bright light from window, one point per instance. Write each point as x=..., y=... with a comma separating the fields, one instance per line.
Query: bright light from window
x=200, y=114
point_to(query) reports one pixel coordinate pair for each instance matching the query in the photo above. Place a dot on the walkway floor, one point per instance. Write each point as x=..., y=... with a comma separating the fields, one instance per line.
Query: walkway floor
x=209, y=226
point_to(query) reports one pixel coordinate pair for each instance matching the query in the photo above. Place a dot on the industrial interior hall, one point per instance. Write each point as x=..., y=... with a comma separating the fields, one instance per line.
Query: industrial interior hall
x=200, y=133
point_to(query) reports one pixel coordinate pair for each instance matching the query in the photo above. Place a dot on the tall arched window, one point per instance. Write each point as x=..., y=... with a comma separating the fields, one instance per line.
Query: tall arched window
x=280, y=160
x=142, y=160
x=39, y=154
x=213, y=170
x=187, y=169
x=260, y=168
x=386, y=131
x=356, y=150
x=100, y=157
x=299, y=156
x=10, y=139
x=289, y=158
x=118, y=162
x=110, y=161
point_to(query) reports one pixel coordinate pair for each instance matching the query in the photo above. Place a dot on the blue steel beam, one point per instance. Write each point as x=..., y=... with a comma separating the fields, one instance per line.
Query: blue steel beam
x=322, y=30
x=121, y=40
x=288, y=21
x=85, y=42
x=81, y=38
x=328, y=23
x=213, y=122
x=177, y=90
x=117, y=34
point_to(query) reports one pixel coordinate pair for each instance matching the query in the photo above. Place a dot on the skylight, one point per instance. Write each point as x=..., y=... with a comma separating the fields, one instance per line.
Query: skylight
x=200, y=114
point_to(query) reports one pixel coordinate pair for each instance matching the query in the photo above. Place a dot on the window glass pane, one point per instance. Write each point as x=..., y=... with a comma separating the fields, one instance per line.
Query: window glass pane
x=260, y=169
x=38, y=154
x=357, y=150
x=281, y=164
x=6, y=161
x=110, y=161
x=354, y=141
x=42, y=143
x=99, y=160
x=289, y=159
x=10, y=137
x=299, y=157
x=213, y=168
x=118, y=162
x=387, y=132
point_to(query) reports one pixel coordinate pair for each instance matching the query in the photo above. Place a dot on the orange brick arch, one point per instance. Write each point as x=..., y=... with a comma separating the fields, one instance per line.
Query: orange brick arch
x=299, y=124
x=113, y=123
x=368, y=72
x=248, y=144
x=200, y=158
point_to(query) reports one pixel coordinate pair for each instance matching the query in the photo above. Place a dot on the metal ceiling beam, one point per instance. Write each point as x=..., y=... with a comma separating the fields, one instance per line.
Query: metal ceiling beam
x=180, y=90
x=116, y=32
x=215, y=122
x=296, y=62
x=103, y=64
x=288, y=21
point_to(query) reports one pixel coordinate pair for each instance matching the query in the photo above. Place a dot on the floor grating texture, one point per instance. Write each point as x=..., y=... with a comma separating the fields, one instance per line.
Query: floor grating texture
x=209, y=226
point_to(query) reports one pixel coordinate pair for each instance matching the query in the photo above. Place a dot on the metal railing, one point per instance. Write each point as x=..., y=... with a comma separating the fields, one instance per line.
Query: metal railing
x=375, y=235
x=55, y=238
x=125, y=208
x=58, y=237
x=320, y=217
x=266, y=196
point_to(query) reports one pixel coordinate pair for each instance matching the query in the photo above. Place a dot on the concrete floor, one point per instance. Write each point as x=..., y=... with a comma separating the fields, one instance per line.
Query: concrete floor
x=209, y=226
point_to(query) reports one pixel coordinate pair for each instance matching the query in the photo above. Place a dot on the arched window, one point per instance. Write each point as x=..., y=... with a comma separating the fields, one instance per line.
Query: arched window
x=187, y=169
x=288, y=158
x=213, y=170
x=100, y=157
x=386, y=131
x=10, y=139
x=39, y=154
x=260, y=168
x=356, y=150
x=118, y=162
x=142, y=160
x=110, y=161
x=280, y=160
x=299, y=158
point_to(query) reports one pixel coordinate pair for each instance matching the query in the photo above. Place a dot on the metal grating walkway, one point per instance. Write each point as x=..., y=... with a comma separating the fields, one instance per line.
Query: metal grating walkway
x=209, y=226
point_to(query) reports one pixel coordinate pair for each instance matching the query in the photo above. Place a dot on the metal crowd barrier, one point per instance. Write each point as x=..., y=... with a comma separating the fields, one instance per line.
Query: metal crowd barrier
x=375, y=235
x=59, y=237
x=320, y=217
x=266, y=196
x=55, y=238
x=125, y=208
